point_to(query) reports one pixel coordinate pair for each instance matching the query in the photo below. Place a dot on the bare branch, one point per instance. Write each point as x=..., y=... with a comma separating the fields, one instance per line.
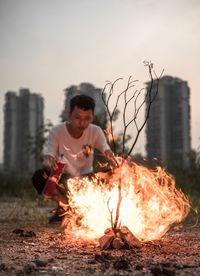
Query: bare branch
x=111, y=214
x=149, y=98
x=111, y=114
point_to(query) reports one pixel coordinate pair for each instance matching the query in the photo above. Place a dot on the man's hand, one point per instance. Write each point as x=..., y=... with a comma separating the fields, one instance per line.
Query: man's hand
x=48, y=162
x=110, y=156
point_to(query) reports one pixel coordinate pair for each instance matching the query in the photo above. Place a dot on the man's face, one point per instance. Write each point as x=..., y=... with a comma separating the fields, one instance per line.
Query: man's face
x=80, y=119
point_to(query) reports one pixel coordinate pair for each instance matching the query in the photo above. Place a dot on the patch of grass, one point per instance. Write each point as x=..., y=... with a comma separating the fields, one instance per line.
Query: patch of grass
x=15, y=209
x=193, y=216
x=17, y=186
x=21, y=202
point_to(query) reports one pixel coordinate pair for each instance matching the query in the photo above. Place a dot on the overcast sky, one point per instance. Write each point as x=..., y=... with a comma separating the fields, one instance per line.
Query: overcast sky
x=49, y=45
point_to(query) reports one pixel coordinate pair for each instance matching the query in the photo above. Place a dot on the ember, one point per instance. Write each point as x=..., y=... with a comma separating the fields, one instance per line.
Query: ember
x=149, y=204
x=118, y=239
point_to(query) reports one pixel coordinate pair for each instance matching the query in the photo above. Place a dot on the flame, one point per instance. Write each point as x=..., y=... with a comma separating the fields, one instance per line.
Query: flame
x=109, y=134
x=150, y=202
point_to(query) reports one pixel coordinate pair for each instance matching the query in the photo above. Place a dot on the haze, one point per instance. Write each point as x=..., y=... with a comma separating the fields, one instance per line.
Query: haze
x=49, y=45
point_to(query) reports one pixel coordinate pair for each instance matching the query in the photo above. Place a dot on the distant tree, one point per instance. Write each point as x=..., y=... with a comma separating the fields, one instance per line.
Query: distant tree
x=188, y=179
x=36, y=143
x=139, y=159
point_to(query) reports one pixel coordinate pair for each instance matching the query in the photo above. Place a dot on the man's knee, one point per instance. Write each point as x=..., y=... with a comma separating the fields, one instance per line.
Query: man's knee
x=39, y=179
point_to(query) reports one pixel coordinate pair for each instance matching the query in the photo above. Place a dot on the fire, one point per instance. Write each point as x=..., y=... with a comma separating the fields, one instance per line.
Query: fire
x=109, y=134
x=150, y=202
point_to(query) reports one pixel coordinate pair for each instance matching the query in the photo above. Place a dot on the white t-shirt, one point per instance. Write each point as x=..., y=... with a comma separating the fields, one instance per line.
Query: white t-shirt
x=60, y=142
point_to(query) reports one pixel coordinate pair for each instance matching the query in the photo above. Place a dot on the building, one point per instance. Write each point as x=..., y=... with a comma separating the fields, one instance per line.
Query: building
x=23, y=116
x=89, y=90
x=168, y=128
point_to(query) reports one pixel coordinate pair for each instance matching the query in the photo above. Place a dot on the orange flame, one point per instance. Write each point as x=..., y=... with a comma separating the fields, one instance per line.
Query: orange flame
x=109, y=134
x=150, y=202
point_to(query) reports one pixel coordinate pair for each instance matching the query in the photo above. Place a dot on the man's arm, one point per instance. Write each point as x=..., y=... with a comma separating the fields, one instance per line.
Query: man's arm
x=51, y=149
x=102, y=145
x=111, y=157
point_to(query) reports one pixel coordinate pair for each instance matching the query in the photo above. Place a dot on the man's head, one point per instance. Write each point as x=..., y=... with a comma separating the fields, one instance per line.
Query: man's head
x=81, y=114
x=83, y=102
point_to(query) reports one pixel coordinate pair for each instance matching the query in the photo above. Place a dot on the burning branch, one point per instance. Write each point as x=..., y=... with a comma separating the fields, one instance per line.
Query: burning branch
x=149, y=97
x=115, y=226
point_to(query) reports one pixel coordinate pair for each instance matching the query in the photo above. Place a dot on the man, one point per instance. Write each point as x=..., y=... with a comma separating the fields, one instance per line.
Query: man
x=75, y=141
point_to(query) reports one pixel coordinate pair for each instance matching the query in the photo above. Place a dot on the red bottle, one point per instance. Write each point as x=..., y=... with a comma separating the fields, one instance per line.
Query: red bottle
x=54, y=178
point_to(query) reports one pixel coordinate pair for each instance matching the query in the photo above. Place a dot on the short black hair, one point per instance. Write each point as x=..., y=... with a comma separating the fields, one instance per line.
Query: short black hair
x=83, y=102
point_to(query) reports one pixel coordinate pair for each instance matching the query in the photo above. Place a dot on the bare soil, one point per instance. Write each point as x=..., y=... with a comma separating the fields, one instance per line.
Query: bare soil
x=30, y=246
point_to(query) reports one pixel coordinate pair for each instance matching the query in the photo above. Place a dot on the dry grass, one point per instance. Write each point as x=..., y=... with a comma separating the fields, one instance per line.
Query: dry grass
x=26, y=210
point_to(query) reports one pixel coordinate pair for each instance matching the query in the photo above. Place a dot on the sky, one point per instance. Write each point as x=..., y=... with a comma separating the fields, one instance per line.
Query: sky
x=49, y=45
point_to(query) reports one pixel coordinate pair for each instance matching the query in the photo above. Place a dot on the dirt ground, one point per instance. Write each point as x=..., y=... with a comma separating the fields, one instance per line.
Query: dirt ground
x=30, y=246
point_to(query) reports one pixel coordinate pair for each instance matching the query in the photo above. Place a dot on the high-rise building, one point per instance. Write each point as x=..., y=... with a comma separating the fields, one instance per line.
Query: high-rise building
x=23, y=116
x=168, y=128
x=89, y=90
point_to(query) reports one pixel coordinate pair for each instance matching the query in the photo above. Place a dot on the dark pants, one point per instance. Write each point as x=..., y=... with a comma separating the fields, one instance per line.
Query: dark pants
x=61, y=193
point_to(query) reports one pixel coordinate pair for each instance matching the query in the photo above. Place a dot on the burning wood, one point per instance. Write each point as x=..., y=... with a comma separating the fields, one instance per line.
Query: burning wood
x=119, y=238
x=149, y=205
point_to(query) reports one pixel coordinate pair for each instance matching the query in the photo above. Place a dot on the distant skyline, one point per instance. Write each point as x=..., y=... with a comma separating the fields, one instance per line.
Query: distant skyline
x=49, y=45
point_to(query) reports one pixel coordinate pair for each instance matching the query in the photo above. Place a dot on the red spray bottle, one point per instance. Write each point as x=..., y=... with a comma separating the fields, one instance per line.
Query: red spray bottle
x=54, y=177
